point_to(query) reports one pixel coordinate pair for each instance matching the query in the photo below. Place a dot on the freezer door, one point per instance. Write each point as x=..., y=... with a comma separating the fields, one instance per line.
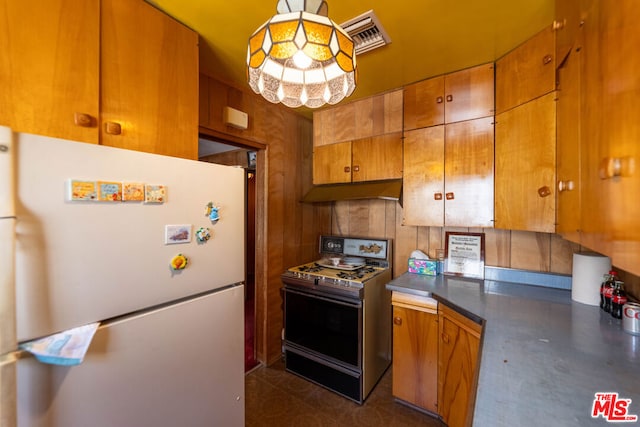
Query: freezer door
x=177, y=366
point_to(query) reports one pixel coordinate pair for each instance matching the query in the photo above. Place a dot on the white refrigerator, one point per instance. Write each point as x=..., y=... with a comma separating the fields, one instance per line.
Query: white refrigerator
x=169, y=348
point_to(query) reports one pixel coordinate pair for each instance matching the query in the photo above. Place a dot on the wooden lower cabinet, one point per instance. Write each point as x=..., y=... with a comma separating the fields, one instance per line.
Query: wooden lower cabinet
x=435, y=358
x=458, y=366
x=415, y=351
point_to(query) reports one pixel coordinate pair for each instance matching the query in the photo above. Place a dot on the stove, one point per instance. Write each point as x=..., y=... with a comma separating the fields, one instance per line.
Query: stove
x=337, y=318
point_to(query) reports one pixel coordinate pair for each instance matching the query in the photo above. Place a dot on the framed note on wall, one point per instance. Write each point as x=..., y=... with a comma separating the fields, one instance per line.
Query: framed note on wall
x=464, y=254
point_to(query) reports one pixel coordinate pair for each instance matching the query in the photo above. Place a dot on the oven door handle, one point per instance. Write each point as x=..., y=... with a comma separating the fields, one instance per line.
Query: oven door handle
x=331, y=300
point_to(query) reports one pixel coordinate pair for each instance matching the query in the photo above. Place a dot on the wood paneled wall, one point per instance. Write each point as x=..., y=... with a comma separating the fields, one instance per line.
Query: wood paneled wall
x=504, y=248
x=287, y=231
x=523, y=250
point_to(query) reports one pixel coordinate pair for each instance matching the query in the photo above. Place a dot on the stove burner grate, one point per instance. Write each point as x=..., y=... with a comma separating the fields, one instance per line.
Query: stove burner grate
x=357, y=274
x=310, y=268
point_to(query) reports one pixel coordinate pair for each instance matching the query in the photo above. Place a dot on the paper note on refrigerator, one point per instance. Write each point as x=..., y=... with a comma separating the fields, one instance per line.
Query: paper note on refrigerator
x=64, y=348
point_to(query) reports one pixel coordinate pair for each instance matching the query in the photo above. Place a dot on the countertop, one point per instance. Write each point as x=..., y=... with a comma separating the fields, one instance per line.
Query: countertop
x=543, y=356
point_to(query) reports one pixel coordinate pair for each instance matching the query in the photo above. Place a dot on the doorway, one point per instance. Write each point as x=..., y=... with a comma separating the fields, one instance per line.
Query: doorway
x=232, y=154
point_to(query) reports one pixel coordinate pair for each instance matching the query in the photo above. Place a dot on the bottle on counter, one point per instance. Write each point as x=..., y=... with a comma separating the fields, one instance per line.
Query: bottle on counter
x=605, y=279
x=618, y=299
x=608, y=290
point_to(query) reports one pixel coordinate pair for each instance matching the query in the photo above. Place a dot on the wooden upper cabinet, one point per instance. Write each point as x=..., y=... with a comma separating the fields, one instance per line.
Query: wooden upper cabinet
x=423, y=181
x=377, y=158
x=332, y=163
x=149, y=80
x=367, y=159
x=49, y=68
x=469, y=94
x=373, y=116
x=463, y=95
x=424, y=103
x=458, y=367
x=448, y=175
x=611, y=131
x=468, y=183
x=525, y=172
x=119, y=73
x=569, y=148
x=527, y=72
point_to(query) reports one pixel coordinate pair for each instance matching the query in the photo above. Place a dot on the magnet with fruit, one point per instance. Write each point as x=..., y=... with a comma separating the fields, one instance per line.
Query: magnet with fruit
x=179, y=262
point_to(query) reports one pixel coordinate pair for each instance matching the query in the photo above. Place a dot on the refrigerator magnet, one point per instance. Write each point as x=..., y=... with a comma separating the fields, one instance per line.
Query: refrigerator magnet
x=177, y=234
x=203, y=235
x=179, y=262
x=109, y=191
x=133, y=192
x=82, y=190
x=212, y=211
x=155, y=194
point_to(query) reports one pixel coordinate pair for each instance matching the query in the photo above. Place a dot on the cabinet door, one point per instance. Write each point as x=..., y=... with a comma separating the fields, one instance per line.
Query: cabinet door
x=468, y=169
x=423, y=182
x=525, y=179
x=332, y=163
x=526, y=72
x=377, y=158
x=378, y=115
x=469, y=94
x=568, y=148
x=424, y=103
x=415, y=357
x=611, y=131
x=344, y=122
x=49, y=67
x=149, y=80
x=458, y=351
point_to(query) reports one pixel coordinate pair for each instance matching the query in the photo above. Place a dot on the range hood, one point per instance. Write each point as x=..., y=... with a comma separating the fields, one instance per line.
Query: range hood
x=387, y=190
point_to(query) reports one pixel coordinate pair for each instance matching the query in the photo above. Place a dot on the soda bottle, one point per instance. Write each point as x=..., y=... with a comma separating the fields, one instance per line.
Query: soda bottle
x=605, y=279
x=608, y=290
x=618, y=299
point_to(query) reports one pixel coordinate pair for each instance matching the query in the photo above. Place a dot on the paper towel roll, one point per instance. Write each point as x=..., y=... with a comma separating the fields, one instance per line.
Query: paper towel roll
x=588, y=271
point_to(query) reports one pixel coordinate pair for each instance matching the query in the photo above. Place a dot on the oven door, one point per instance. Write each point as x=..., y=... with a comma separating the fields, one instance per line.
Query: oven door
x=329, y=328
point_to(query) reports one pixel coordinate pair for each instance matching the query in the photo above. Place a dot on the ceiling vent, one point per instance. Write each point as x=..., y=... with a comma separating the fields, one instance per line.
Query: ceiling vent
x=367, y=32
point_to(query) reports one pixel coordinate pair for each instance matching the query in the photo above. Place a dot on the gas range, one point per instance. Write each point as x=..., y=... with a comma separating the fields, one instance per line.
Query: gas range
x=314, y=276
x=337, y=317
x=343, y=279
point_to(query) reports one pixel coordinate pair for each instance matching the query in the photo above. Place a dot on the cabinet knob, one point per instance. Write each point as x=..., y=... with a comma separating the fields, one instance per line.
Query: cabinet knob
x=544, y=191
x=437, y=196
x=450, y=196
x=83, y=119
x=347, y=169
x=356, y=168
x=547, y=59
x=611, y=167
x=449, y=98
x=445, y=338
x=397, y=320
x=565, y=186
x=558, y=25
x=113, y=128
x=439, y=100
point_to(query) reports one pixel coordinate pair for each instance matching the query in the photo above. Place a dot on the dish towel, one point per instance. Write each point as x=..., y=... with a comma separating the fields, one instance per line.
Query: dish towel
x=65, y=348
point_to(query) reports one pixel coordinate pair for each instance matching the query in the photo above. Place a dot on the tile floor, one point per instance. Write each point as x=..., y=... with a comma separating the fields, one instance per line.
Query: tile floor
x=275, y=397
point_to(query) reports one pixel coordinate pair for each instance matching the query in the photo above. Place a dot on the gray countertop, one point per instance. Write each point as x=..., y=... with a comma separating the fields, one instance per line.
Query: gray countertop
x=544, y=356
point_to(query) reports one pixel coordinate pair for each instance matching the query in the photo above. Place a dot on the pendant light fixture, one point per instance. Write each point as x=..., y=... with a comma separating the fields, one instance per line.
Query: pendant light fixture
x=301, y=57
